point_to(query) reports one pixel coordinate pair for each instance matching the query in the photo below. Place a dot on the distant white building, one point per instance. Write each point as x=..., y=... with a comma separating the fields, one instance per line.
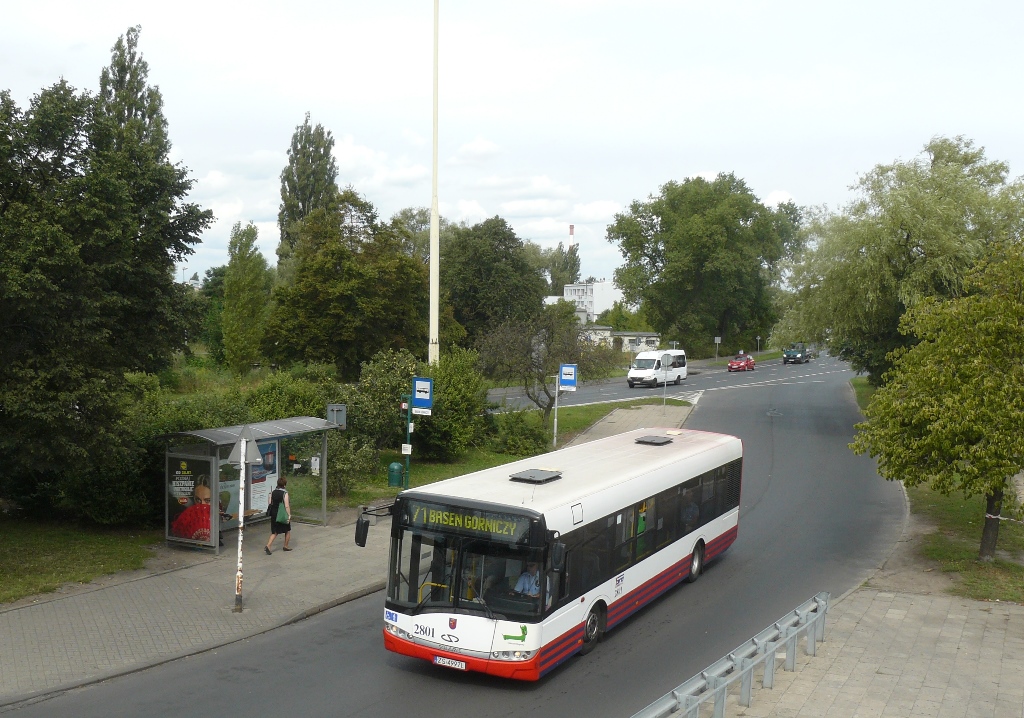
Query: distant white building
x=634, y=342
x=592, y=297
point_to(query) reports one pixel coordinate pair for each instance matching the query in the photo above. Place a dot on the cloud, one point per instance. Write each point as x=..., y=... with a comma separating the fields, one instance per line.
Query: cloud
x=537, y=187
x=777, y=197
x=366, y=168
x=532, y=207
x=414, y=138
x=602, y=210
x=475, y=152
x=469, y=211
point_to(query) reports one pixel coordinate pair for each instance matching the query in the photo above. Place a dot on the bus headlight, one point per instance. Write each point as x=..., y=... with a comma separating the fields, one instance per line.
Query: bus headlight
x=396, y=631
x=512, y=655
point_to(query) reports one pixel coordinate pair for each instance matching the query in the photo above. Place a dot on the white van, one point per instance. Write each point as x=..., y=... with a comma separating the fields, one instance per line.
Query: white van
x=657, y=367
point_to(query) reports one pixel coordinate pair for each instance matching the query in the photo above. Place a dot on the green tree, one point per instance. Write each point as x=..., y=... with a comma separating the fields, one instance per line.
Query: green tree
x=914, y=232
x=308, y=182
x=352, y=296
x=563, y=268
x=246, y=297
x=93, y=220
x=622, y=319
x=950, y=410
x=529, y=352
x=212, y=291
x=413, y=225
x=702, y=258
x=485, y=270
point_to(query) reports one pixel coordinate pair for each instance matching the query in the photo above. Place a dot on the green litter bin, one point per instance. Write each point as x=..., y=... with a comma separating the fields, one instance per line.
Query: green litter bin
x=395, y=474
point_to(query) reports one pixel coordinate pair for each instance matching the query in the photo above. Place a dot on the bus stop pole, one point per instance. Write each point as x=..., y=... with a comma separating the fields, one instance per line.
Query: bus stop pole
x=242, y=470
x=554, y=439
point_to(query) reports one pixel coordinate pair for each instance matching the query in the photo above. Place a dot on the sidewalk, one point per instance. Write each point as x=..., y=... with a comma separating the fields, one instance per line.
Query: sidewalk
x=885, y=653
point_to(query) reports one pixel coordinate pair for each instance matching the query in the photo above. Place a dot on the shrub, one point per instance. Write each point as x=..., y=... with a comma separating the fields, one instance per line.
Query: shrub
x=350, y=461
x=375, y=412
x=460, y=399
x=520, y=433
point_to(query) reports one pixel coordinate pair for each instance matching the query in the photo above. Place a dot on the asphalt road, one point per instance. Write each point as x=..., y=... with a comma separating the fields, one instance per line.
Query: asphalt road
x=813, y=518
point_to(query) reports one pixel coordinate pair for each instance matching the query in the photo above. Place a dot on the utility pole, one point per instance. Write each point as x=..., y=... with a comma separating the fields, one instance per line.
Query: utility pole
x=433, y=348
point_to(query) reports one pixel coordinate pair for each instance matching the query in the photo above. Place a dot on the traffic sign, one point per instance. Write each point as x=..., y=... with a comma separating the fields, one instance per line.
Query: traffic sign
x=422, y=393
x=567, y=377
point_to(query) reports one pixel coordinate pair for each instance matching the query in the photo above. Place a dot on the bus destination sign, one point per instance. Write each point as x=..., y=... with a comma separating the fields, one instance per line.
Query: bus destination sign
x=467, y=521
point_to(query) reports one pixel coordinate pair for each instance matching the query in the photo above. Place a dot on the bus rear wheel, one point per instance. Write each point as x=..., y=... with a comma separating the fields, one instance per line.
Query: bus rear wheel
x=696, y=562
x=593, y=627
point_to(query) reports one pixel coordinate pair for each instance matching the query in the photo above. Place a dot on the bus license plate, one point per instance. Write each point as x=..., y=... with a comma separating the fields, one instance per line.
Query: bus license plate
x=450, y=662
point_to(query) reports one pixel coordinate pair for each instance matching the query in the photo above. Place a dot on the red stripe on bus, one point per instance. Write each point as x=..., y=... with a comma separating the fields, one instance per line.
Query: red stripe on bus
x=559, y=650
x=646, y=592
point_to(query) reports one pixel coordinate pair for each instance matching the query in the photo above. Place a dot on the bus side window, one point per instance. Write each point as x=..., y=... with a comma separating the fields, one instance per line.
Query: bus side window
x=690, y=512
x=645, y=528
x=665, y=525
x=625, y=522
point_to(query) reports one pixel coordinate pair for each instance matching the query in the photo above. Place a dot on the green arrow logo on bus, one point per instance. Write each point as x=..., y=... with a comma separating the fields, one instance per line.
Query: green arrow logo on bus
x=517, y=638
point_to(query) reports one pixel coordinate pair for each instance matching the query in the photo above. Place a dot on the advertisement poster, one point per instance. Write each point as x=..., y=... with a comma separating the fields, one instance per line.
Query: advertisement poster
x=189, y=499
x=264, y=475
x=228, y=490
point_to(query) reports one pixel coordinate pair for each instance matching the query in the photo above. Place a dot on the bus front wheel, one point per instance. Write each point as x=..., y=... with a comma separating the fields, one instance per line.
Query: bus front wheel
x=593, y=627
x=696, y=562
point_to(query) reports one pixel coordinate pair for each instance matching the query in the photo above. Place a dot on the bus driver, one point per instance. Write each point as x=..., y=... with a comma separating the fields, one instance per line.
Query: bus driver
x=529, y=582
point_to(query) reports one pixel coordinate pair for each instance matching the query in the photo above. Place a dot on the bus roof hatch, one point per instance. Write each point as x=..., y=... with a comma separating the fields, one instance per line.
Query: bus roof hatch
x=536, y=476
x=654, y=440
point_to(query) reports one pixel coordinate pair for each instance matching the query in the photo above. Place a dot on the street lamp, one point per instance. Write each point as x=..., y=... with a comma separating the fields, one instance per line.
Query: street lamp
x=434, y=274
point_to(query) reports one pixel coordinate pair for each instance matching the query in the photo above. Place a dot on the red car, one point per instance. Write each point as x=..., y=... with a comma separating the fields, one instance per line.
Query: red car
x=741, y=362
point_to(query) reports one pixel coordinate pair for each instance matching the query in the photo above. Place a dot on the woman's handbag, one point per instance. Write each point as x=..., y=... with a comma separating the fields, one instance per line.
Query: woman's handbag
x=282, y=514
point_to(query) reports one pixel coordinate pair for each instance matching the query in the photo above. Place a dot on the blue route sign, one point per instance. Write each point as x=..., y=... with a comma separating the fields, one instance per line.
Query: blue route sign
x=422, y=393
x=567, y=377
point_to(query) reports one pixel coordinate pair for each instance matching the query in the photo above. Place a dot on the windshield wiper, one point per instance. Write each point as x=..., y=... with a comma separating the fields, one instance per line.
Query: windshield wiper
x=420, y=605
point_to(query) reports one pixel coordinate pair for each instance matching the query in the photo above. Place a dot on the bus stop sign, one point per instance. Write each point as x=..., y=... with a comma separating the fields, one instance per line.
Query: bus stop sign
x=422, y=395
x=567, y=377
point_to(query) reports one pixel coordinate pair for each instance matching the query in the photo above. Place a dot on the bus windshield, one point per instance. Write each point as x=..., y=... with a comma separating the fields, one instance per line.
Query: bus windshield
x=644, y=363
x=440, y=571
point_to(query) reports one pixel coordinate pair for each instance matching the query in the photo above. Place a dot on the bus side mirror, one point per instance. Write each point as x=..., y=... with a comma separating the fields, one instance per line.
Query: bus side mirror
x=362, y=528
x=557, y=556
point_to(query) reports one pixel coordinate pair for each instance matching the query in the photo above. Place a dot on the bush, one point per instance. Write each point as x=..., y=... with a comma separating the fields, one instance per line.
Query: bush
x=351, y=461
x=460, y=399
x=520, y=433
x=375, y=412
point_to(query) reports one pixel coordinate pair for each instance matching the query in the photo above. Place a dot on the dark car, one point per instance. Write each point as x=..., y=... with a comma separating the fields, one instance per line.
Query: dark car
x=741, y=362
x=796, y=353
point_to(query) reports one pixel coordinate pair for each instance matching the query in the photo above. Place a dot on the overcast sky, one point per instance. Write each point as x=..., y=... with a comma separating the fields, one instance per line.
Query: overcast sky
x=551, y=113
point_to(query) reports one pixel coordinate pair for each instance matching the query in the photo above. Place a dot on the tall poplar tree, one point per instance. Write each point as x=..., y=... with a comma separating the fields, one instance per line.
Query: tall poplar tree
x=247, y=287
x=308, y=182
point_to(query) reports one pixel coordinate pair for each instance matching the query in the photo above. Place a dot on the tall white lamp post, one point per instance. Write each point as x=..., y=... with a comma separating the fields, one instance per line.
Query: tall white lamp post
x=244, y=452
x=433, y=348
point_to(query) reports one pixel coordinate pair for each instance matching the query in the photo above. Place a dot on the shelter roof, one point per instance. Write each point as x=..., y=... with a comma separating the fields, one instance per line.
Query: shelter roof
x=278, y=428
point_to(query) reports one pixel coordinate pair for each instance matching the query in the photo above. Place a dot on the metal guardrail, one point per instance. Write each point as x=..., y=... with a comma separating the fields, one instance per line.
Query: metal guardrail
x=714, y=682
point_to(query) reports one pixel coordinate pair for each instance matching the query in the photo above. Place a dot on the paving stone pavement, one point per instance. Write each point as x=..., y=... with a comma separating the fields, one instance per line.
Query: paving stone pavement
x=885, y=654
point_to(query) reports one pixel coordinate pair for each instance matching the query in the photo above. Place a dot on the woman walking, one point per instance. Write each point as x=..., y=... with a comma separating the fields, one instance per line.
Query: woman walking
x=280, y=496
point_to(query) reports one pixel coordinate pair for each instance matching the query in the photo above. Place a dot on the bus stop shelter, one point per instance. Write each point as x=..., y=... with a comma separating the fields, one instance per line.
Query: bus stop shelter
x=202, y=486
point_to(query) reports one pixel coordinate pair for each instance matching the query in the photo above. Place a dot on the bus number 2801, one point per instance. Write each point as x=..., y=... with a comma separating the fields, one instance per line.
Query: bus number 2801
x=423, y=630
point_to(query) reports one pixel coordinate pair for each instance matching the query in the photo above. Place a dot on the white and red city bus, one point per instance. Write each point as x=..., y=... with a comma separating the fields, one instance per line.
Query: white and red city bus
x=610, y=525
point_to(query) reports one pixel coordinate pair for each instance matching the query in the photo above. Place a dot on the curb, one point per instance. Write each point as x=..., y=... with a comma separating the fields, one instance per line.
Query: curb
x=20, y=701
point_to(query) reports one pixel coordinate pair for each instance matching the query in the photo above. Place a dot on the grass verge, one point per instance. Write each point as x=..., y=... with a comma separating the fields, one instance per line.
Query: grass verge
x=39, y=557
x=956, y=542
